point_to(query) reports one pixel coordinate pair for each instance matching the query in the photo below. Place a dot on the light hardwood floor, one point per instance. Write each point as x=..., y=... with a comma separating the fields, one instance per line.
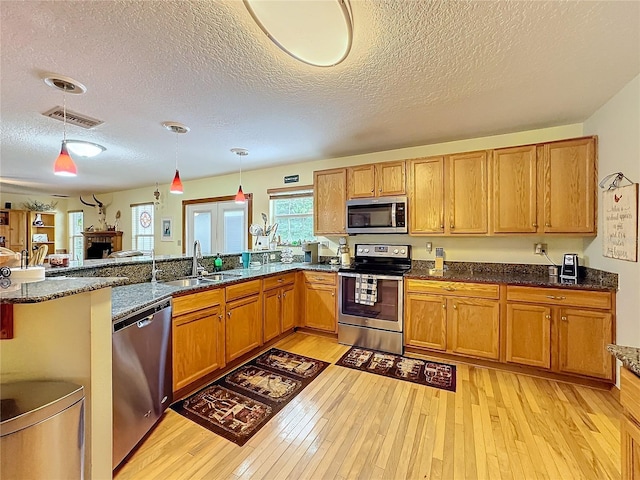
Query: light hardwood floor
x=349, y=424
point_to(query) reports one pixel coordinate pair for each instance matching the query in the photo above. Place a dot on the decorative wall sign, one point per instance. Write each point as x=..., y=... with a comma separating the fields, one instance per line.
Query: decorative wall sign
x=292, y=179
x=620, y=206
x=167, y=229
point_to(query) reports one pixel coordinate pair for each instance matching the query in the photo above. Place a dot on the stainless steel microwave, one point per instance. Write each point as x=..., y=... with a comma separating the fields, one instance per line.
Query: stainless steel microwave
x=377, y=215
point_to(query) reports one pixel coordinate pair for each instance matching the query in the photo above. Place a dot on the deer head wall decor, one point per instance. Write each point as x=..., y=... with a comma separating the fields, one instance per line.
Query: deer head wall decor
x=101, y=209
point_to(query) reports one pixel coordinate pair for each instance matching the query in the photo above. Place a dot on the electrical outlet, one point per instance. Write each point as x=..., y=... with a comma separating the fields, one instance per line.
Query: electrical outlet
x=272, y=256
x=429, y=247
x=324, y=243
x=539, y=248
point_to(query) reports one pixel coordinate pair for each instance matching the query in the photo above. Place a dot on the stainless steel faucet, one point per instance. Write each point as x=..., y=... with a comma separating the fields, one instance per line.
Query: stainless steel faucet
x=154, y=270
x=196, y=269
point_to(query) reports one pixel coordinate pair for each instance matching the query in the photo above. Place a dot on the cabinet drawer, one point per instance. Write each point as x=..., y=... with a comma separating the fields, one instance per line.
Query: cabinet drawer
x=243, y=289
x=320, y=277
x=196, y=301
x=630, y=393
x=278, y=281
x=559, y=296
x=462, y=289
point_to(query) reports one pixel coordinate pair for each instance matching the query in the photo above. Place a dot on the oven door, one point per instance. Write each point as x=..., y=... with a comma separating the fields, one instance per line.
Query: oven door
x=384, y=314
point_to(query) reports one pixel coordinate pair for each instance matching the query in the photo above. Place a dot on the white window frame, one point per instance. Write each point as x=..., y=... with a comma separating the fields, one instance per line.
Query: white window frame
x=75, y=255
x=135, y=219
x=287, y=193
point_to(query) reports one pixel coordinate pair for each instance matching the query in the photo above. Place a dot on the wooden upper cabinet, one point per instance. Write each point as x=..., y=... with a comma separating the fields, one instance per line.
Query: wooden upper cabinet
x=329, y=201
x=513, y=180
x=569, y=186
x=468, y=196
x=376, y=180
x=426, y=195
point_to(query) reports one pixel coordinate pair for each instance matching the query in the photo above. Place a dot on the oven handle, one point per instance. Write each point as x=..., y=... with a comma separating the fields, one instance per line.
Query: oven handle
x=378, y=277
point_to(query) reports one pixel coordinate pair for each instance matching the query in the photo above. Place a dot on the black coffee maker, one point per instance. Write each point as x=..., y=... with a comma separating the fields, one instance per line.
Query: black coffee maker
x=569, y=272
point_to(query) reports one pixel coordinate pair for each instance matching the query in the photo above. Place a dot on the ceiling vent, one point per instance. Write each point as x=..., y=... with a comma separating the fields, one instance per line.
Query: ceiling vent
x=73, y=118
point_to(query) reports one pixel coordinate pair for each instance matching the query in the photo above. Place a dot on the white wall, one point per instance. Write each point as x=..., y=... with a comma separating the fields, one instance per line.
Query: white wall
x=511, y=249
x=617, y=124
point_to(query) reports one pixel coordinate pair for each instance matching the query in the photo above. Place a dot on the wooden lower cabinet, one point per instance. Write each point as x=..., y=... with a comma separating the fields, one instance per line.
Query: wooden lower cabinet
x=462, y=325
x=474, y=327
x=278, y=311
x=198, y=337
x=244, y=326
x=320, y=301
x=528, y=333
x=630, y=424
x=425, y=321
x=583, y=336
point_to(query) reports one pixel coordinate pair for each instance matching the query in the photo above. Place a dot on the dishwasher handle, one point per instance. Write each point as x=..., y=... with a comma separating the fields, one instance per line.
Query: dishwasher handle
x=143, y=317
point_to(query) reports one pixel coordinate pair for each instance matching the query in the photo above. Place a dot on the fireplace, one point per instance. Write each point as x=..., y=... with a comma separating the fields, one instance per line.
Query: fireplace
x=98, y=250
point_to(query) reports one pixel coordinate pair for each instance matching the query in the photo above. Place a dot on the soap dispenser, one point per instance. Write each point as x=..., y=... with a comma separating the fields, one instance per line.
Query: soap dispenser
x=217, y=263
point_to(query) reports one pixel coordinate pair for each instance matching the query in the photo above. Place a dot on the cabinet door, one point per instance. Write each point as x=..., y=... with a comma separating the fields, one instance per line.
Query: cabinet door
x=474, y=327
x=514, y=190
x=569, y=186
x=329, y=201
x=467, y=193
x=244, y=326
x=390, y=179
x=361, y=182
x=17, y=230
x=198, y=345
x=630, y=446
x=529, y=335
x=426, y=195
x=320, y=307
x=583, y=336
x=288, y=307
x=271, y=313
x=425, y=323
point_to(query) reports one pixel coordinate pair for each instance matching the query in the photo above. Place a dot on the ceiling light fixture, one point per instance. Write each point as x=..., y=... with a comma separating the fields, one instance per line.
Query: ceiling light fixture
x=64, y=165
x=241, y=152
x=317, y=33
x=84, y=149
x=177, y=128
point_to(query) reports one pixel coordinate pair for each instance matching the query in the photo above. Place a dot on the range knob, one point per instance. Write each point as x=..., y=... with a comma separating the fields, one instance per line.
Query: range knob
x=359, y=250
x=366, y=250
x=403, y=251
x=395, y=251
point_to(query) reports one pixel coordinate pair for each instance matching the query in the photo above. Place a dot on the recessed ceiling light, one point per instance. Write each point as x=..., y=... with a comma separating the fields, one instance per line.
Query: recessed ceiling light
x=84, y=149
x=318, y=33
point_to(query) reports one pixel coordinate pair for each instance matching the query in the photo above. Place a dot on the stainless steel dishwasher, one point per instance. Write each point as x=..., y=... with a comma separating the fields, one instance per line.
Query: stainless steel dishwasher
x=142, y=375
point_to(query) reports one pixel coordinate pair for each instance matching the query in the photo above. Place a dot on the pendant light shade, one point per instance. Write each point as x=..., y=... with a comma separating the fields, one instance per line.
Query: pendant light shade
x=240, y=197
x=64, y=165
x=176, y=185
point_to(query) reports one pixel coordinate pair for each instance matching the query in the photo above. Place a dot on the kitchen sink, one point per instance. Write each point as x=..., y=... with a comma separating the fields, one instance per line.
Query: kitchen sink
x=193, y=282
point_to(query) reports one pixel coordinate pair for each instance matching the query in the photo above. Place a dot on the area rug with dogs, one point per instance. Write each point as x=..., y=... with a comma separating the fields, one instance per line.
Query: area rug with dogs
x=425, y=372
x=237, y=405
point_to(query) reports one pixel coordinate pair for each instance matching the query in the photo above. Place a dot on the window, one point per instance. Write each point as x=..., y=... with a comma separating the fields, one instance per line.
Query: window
x=292, y=210
x=219, y=224
x=75, y=219
x=142, y=220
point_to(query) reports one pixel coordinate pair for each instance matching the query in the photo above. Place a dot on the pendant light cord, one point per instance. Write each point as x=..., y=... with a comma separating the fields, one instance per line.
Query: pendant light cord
x=240, y=170
x=64, y=114
x=176, y=151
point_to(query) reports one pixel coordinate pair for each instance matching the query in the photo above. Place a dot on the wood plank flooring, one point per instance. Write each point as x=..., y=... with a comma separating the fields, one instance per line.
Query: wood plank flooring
x=355, y=425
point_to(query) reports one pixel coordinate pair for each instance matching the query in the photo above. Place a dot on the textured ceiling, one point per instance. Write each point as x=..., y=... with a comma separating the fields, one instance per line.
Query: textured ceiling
x=418, y=73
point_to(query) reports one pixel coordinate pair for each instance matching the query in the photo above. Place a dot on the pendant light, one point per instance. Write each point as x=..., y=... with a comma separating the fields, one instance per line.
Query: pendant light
x=64, y=165
x=241, y=152
x=176, y=184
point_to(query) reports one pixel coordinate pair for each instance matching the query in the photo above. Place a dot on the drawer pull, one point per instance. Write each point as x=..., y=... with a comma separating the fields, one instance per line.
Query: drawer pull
x=284, y=295
x=442, y=226
x=278, y=296
x=534, y=224
x=449, y=289
x=553, y=297
x=451, y=226
x=564, y=319
x=229, y=314
x=547, y=224
x=220, y=317
x=444, y=305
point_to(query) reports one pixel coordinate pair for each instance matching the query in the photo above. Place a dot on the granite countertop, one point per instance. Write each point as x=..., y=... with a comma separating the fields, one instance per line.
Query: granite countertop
x=629, y=356
x=129, y=298
x=526, y=278
x=55, y=287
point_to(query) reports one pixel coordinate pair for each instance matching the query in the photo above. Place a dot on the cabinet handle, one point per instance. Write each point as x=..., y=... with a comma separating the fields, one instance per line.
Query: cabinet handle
x=547, y=316
x=229, y=314
x=451, y=226
x=284, y=295
x=547, y=224
x=333, y=294
x=380, y=190
x=564, y=319
x=444, y=305
x=553, y=297
x=220, y=317
x=372, y=190
x=280, y=280
x=455, y=307
x=449, y=289
x=534, y=224
x=278, y=296
x=442, y=226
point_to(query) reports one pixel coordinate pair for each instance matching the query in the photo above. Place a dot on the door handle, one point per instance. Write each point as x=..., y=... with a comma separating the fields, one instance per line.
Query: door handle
x=145, y=322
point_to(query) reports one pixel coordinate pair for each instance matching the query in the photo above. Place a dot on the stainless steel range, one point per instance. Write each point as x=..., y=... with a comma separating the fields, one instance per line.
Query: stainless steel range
x=370, y=306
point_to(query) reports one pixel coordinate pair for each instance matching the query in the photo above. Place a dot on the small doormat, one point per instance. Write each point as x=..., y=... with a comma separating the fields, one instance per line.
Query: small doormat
x=237, y=405
x=424, y=372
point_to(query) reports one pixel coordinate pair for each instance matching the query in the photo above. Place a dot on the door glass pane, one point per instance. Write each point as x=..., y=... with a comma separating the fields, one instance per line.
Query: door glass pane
x=234, y=232
x=202, y=231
